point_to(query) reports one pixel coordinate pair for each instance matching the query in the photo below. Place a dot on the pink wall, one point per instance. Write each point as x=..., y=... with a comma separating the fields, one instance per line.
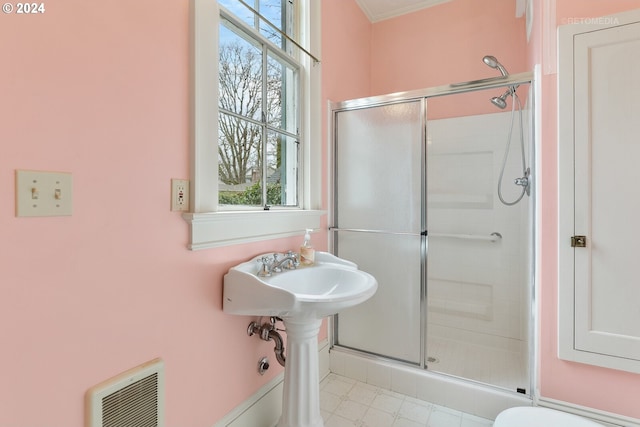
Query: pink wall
x=346, y=51
x=100, y=89
x=445, y=44
x=604, y=389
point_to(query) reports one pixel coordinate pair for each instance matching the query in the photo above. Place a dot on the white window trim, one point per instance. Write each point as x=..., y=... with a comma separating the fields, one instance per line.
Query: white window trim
x=209, y=225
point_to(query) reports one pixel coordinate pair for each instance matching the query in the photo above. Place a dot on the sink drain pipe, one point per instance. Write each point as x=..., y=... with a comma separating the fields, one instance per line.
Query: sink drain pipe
x=279, y=348
x=268, y=332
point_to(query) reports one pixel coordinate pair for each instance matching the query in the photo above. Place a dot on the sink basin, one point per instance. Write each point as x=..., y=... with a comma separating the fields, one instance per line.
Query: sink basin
x=322, y=289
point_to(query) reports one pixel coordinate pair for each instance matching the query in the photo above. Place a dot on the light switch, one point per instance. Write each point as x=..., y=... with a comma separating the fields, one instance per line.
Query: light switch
x=41, y=193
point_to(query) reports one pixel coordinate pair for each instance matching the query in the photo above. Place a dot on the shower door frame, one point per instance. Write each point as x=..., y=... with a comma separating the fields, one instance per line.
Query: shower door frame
x=423, y=95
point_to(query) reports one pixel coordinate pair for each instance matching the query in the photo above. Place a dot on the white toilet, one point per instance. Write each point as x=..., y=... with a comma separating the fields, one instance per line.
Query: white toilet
x=527, y=416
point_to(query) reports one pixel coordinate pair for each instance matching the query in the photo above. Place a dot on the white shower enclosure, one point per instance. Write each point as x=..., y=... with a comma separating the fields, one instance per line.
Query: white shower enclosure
x=415, y=204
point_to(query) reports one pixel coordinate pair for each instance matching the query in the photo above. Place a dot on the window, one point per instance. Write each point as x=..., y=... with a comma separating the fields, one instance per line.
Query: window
x=256, y=165
x=258, y=118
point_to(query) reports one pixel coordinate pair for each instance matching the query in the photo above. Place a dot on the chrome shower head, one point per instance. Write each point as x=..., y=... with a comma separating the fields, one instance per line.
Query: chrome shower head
x=501, y=101
x=492, y=62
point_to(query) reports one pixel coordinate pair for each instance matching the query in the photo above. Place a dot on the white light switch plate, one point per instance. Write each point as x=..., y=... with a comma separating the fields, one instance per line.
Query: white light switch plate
x=41, y=193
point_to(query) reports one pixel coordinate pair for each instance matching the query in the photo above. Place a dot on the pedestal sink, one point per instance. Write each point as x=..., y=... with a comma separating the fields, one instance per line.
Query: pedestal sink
x=301, y=297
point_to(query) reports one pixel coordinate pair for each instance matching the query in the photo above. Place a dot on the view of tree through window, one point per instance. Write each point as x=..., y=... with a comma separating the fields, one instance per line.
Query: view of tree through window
x=258, y=131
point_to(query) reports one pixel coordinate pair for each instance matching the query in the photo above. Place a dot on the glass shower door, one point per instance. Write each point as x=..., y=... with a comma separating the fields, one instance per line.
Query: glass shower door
x=455, y=300
x=378, y=223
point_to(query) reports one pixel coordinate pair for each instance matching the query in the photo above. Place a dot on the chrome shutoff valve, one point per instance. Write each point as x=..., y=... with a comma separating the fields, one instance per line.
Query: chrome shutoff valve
x=263, y=365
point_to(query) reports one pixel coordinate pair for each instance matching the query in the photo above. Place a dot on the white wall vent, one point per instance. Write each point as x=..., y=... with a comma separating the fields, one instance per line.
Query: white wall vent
x=134, y=398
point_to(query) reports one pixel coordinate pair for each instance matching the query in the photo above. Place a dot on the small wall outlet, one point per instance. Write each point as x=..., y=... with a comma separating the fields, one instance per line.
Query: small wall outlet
x=180, y=195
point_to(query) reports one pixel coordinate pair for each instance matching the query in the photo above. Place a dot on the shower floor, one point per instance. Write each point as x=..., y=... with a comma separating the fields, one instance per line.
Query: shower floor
x=345, y=402
x=499, y=367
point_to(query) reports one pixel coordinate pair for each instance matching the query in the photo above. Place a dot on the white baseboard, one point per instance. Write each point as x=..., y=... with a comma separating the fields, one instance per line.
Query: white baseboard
x=602, y=417
x=264, y=407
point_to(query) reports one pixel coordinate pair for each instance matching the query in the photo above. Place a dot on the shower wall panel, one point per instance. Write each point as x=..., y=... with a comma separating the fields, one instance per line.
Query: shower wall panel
x=475, y=280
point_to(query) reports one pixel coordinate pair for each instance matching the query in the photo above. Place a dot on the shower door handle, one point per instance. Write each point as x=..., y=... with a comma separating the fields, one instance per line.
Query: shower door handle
x=578, y=241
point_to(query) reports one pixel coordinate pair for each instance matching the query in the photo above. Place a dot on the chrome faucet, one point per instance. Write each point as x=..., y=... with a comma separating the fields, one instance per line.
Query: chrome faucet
x=289, y=262
x=275, y=264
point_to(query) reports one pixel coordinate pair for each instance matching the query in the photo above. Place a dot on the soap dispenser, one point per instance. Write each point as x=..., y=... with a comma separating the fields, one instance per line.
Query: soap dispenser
x=307, y=253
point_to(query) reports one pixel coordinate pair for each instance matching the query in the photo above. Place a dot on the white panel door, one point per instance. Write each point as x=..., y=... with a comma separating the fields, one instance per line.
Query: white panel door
x=606, y=153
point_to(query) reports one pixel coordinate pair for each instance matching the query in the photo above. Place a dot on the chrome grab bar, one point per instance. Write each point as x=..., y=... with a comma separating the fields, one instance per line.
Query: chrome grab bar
x=493, y=237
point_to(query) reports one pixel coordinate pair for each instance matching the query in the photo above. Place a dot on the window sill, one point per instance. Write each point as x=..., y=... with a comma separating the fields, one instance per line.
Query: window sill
x=215, y=229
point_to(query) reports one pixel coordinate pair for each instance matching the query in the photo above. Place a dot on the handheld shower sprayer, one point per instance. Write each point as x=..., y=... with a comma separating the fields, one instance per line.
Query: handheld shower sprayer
x=492, y=62
x=499, y=101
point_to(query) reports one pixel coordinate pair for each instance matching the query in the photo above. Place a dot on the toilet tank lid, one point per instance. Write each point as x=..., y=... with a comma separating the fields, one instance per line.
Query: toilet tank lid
x=526, y=416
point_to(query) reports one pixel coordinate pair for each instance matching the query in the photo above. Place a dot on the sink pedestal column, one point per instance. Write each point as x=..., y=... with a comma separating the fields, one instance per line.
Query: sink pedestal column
x=301, y=396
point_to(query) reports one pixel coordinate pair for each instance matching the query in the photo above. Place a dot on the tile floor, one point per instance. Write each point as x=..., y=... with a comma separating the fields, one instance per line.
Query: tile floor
x=349, y=403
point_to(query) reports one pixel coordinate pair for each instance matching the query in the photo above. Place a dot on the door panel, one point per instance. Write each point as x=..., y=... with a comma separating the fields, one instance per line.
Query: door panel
x=379, y=165
x=607, y=153
x=378, y=156
x=388, y=323
x=606, y=146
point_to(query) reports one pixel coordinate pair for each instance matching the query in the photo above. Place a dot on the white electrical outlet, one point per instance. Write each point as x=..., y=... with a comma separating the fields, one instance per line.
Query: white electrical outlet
x=180, y=195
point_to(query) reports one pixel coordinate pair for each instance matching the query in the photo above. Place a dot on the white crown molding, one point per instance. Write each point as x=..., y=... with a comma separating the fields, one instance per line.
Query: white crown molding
x=379, y=10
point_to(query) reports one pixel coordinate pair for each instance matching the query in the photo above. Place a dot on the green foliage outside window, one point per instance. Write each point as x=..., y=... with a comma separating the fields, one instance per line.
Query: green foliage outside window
x=252, y=195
